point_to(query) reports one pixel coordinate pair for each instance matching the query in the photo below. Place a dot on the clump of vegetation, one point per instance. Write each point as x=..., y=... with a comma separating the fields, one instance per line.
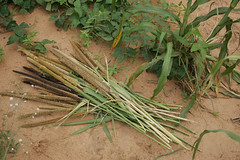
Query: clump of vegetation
x=2, y=54
x=181, y=52
x=21, y=34
x=8, y=146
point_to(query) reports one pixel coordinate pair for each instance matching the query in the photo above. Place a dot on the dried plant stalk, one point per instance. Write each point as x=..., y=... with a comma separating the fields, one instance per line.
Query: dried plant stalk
x=52, y=89
x=58, y=77
x=59, y=86
x=36, y=114
x=29, y=96
x=82, y=71
x=51, y=120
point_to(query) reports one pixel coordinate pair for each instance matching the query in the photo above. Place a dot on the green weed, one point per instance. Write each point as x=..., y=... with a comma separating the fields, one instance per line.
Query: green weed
x=180, y=52
x=2, y=54
x=231, y=135
x=7, y=145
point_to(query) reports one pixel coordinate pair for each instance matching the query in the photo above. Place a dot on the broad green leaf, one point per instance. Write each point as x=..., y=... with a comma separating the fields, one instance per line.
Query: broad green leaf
x=230, y=134
x=105, y=36
x=53, y=17
x=4, y=11
x=18, y=2
x=46, y=41
x=117, y=52
x=19, y=31
x=12, y=39
x=70, y=11
x=130, y=52
x=40, y=47
x=24, y=25
x=49, y=6
x=75, y=20
x=11, y=25
x=77, y=7
x=166, y=69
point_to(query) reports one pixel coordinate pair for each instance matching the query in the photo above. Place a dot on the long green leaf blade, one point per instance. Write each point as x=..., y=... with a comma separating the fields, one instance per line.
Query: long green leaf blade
x=166, y=68
x=106, y=130
x=231, y=135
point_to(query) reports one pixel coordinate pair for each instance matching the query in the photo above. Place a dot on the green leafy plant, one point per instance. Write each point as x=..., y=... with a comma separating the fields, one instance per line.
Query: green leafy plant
x=7, y=145
x=231, y=135
x=103, y=20
x=181, y=52
x=2, y=54
x=21, y=34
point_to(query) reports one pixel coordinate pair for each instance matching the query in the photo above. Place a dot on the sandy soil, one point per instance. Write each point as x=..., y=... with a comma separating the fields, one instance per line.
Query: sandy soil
x=43, y=143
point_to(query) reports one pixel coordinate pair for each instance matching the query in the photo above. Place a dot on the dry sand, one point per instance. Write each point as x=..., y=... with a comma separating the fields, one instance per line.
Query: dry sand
x=45, y=142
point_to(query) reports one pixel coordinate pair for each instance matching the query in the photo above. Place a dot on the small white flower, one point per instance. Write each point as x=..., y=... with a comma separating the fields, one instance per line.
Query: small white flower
x=8, y=137
x=12, y=91
x=32, y=116
x=10, y=98
x=32, y=85
x=20, y=140
x=24, y=94
x=16, y=104
x=26, y=152
x=10, y=105
x=38, y=109
x=35, y=113
x=24, y=101
x=12, y=149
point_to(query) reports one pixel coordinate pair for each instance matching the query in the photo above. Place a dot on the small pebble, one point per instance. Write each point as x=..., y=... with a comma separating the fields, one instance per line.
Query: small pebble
x=32, y=85
x=24, y=94
x=32, y=116
x=24, y=101
x=35, y=113
x=12, y=91
x=10, y=105
x=26, y=152
x=20, y=140
x=10, y=98
x=16, y=104
x=38, y=109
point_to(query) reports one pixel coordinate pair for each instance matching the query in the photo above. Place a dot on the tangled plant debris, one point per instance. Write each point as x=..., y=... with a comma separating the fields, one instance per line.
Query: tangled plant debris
x=77, y=85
